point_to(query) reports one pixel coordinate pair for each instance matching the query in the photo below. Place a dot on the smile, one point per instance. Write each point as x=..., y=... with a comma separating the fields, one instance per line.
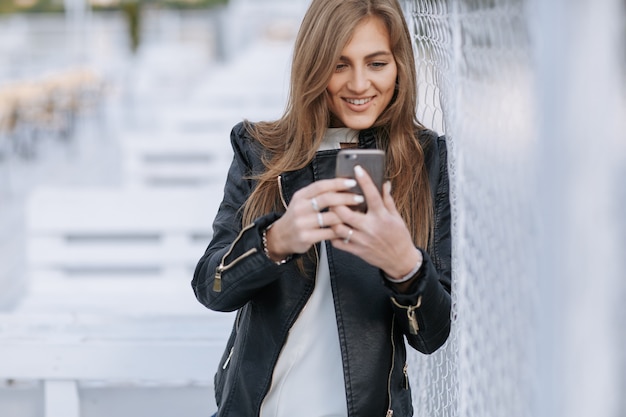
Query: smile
x=358, y=102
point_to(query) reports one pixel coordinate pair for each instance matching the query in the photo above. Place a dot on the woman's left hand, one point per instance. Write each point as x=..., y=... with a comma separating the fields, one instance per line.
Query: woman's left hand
x=379, y=236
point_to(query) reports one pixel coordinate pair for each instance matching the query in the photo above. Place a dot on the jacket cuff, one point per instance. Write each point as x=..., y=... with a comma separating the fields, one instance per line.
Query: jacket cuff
x=425, y=278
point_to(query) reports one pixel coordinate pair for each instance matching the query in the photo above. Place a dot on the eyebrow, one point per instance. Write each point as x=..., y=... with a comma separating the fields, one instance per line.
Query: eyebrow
x=369, y=56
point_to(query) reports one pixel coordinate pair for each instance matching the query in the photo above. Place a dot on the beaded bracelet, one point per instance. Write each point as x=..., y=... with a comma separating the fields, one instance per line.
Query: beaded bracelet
x=267, y=252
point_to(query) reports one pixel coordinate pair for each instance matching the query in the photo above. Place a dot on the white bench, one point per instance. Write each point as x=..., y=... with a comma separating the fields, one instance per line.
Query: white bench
x=109, y=298
x=66, y=353
x=175, y=160
x=136, y=248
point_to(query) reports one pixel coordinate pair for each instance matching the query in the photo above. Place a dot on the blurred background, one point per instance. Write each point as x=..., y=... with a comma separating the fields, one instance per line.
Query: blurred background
x=114, y=146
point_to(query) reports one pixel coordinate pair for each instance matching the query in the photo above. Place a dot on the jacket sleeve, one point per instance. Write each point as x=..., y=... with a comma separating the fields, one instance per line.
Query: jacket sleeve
x=424, y=312
x=234, y=266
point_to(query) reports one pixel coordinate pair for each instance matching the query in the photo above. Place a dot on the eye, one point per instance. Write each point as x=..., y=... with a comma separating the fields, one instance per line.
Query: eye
x=378, y=65
x=340, y=67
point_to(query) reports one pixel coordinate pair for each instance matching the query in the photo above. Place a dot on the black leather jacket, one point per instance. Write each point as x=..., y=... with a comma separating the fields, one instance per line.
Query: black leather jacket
x=372, y=319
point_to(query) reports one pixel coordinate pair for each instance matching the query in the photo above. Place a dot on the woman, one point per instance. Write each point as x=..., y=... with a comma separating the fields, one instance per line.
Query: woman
x=325, y=294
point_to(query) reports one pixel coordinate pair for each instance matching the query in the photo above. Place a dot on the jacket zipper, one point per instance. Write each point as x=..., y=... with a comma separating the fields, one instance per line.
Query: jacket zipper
x=230, y=355
x=410, y=314
x=405, y=370
x=217, y=283
x=280, y=191
x=221, y=268
x=393, y=361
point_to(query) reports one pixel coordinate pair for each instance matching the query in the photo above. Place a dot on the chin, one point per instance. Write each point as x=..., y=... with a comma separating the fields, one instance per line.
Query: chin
x=357, y=123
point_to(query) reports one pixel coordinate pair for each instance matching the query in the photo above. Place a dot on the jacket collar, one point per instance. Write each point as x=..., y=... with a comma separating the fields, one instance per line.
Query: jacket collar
x=321, y=167
x=367, y=138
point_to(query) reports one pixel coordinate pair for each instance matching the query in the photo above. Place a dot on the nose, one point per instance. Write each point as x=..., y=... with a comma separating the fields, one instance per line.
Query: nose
x=359, y=82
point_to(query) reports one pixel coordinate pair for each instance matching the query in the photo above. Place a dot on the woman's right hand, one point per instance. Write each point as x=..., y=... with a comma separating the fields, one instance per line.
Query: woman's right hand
x=304, y=224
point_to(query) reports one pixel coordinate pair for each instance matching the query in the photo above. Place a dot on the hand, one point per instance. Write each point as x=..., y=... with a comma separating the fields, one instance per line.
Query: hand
x=303, y=224
x=380, y=236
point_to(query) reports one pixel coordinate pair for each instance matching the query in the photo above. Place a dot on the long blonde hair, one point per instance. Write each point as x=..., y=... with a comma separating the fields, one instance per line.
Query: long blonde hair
x=293, y=140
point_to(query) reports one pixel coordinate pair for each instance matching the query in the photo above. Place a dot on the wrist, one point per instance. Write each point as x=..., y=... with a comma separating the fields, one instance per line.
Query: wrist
x=269, y=253
x=406, y=276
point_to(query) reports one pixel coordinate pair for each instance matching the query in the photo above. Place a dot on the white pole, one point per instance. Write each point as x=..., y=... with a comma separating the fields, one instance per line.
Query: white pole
x=580, y=111
x=76, y=17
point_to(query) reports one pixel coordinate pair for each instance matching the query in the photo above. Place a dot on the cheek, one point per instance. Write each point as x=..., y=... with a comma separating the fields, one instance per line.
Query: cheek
x=393, y=80
x=390, y=85
x=332, y=88
x=330, y=101
x=332, y=98
x=333, y=107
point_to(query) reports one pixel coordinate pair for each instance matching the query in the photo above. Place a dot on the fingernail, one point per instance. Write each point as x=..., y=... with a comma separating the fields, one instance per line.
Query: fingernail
x=350, y=183
x=359, y=199
x=388, y=186
x=358, y=171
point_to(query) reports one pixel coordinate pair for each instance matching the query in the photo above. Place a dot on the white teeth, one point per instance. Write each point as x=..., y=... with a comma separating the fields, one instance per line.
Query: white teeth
x=358, y=102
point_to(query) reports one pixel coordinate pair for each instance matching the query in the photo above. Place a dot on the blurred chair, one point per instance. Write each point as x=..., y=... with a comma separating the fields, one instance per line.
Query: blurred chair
x=26, y=103
x=33, y=109
x=70, y=94
x=6, y=111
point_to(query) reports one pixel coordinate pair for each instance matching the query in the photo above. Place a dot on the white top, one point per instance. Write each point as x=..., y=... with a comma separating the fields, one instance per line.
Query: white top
x=334, y=136
x=308, y=377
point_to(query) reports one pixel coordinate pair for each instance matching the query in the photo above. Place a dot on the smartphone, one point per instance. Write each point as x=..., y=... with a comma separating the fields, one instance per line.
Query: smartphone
x=371, y=160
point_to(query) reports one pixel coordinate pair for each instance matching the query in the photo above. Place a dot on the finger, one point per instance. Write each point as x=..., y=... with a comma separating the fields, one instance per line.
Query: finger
x=388, y=199
x=333, y=199
x=324, y=186
x=349, y=217
x=331, y=219
x=299, y=236
x=318, y=235
x=345, y=236
x=370, y=191
x=323, y=220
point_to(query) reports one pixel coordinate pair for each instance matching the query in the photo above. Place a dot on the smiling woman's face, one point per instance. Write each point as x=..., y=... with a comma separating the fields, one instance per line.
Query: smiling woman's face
x=364, y=80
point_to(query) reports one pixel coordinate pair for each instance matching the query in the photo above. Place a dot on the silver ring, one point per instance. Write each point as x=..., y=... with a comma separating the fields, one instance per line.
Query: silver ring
x=347, y=239
x=320, y=220
x=314, y=205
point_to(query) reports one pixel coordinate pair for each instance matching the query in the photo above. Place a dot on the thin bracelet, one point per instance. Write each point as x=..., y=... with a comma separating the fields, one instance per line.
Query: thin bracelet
x=408, y=276
x=267, y=252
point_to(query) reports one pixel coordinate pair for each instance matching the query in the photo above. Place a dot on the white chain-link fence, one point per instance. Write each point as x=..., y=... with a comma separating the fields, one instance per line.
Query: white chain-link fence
x=531, y=97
